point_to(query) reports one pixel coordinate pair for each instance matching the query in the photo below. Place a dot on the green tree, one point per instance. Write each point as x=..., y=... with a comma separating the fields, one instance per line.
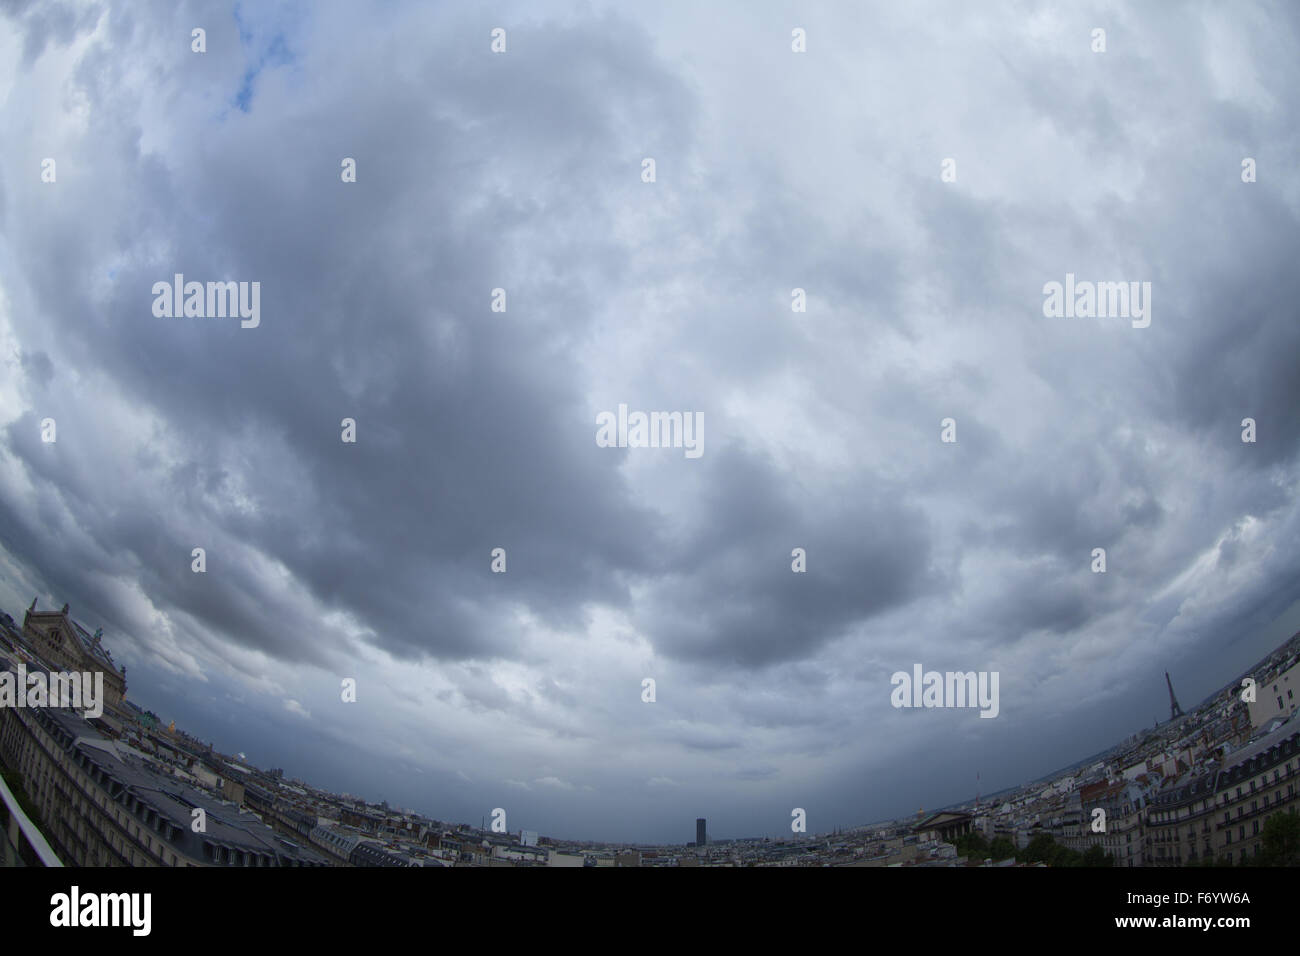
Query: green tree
x=1096, y=856
x=1064, y=856
x=1040, y=850
x=1281, y=840
x=1044, y=849
x=973, y=845
x=1002, y=849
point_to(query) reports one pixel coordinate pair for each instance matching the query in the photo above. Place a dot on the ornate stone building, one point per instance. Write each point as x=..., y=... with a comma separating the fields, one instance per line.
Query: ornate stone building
x=66, y=646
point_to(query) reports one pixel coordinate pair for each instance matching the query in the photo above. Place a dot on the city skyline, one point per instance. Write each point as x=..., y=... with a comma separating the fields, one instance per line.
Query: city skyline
x=1231, y=687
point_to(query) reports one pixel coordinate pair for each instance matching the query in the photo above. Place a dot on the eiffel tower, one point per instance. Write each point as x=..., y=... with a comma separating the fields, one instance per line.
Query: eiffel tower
x=1174, y=710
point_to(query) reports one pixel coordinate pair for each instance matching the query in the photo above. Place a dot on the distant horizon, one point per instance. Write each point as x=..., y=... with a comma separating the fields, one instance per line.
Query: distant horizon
x=1290, y=615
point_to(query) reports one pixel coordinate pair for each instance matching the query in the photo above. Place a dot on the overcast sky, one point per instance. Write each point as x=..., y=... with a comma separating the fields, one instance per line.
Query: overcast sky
x=774, y=170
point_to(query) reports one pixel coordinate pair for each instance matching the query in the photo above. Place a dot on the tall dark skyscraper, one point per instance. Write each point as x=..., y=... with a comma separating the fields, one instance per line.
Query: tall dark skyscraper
x=701, y=837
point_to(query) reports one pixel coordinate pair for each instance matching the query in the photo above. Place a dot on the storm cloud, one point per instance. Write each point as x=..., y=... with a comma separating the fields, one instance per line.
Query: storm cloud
x=476, y=428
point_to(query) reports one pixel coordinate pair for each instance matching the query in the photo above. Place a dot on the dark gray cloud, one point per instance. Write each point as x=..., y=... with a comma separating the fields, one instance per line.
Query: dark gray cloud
x=476, y=429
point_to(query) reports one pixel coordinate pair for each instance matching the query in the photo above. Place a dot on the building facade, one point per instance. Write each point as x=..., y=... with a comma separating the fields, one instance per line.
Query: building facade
x=1220, y=815
x=66, y=646
x=1279, y=697
x=945, y=826
x=101, y=804
x=1119, y=828
x=1254, y=784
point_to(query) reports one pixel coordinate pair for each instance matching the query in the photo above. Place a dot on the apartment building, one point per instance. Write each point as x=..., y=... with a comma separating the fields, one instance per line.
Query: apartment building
x=1221, y=813
x=1278, y=697
x=102, y=803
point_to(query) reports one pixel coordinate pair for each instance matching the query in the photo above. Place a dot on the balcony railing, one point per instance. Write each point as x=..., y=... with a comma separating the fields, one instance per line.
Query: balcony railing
x=21, y=842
